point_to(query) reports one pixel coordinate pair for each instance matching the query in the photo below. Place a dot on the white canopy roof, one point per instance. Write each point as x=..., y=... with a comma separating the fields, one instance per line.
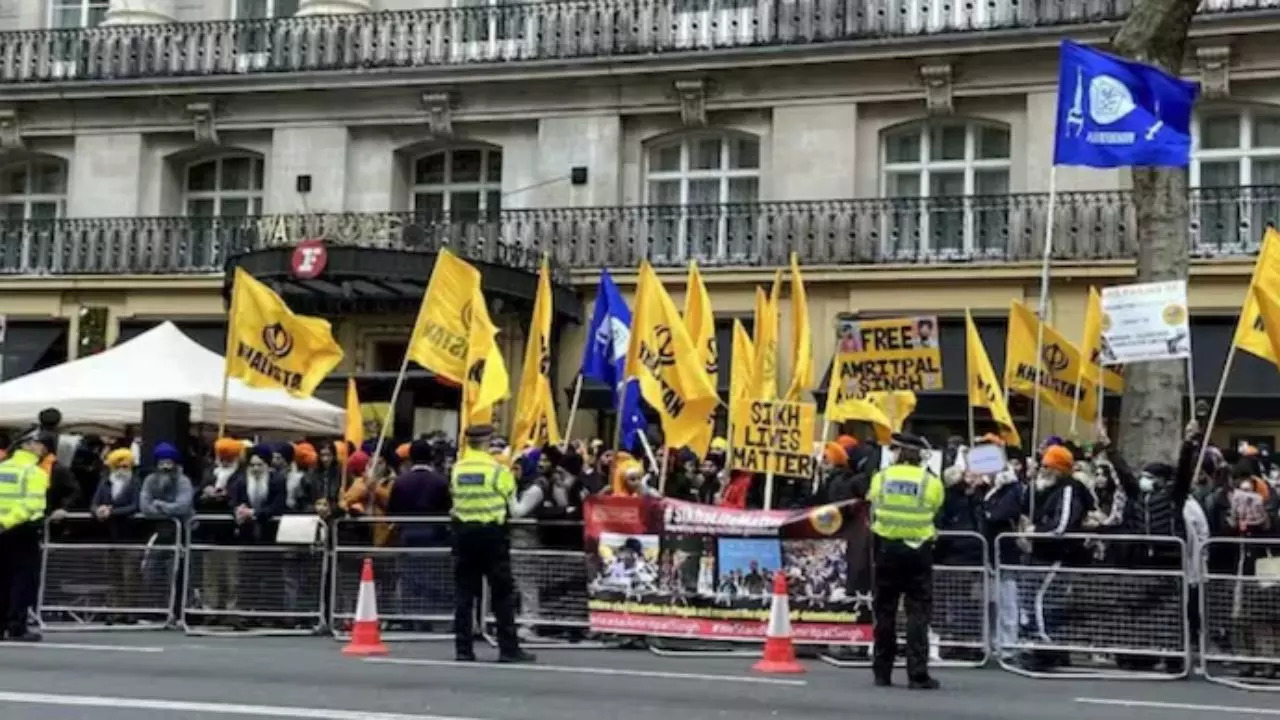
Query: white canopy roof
x=107, y=390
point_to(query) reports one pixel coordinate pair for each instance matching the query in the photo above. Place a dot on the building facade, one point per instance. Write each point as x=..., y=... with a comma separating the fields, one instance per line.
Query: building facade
x=901, y=148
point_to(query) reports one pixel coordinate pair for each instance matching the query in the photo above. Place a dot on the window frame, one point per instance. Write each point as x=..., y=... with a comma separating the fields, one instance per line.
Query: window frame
x=86, y=6
x=447, y=187
x=27, y=198
x=271, y=13
x=686, y=174
x=927, y=204
x=254, y=196
x=1245, y=212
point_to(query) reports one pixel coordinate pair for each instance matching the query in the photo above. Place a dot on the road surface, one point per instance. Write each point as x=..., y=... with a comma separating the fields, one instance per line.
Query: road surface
x=149, y=676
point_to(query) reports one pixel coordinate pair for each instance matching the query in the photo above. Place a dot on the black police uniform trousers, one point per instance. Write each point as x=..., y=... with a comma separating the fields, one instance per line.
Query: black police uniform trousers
x=482, y=551
x=902, y=572
x=19, y=575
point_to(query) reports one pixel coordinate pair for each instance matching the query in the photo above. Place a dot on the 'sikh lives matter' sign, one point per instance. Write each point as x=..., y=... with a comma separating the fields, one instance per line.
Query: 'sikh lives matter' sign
x=773, y=436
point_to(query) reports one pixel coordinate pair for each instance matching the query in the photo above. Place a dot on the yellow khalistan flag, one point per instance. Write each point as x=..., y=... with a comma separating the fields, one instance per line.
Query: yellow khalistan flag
x=663, y=358
x=1269, y=310
x=843, y=404
x=897, y=406
x=741, y=367
x=1055, y=375
x=984, y=385
x=700, y=321
x=1092, y=346
x=536, y=422
x=801, y=336
x=765, y=374
x=487, y=380
x=1251, y=331
x=442, y=331
x=268, y=346
x=354, y=431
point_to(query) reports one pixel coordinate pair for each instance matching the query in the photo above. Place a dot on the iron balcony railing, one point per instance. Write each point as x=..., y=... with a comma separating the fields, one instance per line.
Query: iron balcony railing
x=1089, y=226
x=504, y=33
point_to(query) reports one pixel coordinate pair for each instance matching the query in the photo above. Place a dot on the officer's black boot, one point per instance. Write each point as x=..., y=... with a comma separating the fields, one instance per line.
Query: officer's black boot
x=518, y=656
x=924, y=683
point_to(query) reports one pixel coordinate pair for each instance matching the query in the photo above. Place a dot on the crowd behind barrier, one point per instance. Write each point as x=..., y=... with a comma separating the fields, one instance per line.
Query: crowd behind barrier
x=1114, y=605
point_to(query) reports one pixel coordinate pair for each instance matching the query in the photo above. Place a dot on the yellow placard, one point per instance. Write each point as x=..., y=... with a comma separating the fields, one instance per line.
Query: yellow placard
x=773, y=436
x=889, y=355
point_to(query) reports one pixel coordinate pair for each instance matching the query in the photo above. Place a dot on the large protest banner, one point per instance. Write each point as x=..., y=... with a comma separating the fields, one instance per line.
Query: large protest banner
x=668, y=568
x=773, y=436
x=888, y=354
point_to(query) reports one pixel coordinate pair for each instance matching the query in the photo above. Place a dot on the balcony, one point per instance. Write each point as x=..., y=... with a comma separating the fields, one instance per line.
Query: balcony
x=557, y=30
x=1225, y=223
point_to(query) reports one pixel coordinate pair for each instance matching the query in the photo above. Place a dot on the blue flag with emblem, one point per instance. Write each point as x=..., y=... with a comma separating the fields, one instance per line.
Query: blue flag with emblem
x=1114, y=112
x=605, y=355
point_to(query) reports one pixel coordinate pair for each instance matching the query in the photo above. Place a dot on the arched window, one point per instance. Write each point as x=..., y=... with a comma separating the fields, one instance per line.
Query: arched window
x=691, y=179
x=704, y=169
x=33, y=190
x=462, y=184
x=1236, y=166
x=953, y=179
x=225, y=186
x=71, y=14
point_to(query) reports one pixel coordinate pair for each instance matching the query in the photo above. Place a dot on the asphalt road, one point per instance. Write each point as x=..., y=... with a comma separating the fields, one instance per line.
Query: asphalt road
x=148, y=676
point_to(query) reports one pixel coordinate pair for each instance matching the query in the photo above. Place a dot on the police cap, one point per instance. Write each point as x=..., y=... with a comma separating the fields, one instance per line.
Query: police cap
x=477, y=433
x=907, y=440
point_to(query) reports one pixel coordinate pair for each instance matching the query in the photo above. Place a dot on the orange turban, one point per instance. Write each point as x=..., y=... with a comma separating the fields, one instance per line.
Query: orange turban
x=402, y=451
x=305, y=455
x=848, y=442
x=226, y=448
x=1058, y=459
x=835, y=454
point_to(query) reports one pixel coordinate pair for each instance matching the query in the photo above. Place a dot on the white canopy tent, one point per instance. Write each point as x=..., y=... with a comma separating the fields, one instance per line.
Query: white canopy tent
x=107, y=390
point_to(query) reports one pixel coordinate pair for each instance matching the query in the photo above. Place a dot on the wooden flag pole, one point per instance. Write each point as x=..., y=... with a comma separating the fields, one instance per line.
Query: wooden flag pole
x=1217, y=402
x=391, y=412
x=231, y=347
x=1044, y=313
x=573, y=411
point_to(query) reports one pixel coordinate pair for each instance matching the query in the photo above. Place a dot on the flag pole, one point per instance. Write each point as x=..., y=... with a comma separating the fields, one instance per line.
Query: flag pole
x=1191, y=388
x=391, y=411
x=1044, y=312
x=226, y=360
x=573, y=410
x=1217, y=401
x=968, y=375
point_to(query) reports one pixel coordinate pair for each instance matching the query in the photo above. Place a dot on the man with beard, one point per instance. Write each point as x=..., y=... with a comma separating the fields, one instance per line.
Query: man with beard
x=166, y=493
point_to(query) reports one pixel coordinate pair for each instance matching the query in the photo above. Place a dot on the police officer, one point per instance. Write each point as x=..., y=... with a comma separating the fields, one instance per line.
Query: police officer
x=904, y=498
x=484, y=495
x=23, y=484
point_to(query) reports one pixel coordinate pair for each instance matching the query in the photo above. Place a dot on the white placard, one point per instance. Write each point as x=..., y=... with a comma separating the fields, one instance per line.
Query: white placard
x=933, y=462
x=986, y=459
x=1145, y=322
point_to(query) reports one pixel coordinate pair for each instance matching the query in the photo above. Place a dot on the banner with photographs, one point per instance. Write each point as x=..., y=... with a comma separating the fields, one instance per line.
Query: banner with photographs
x=668, y=568
x=890, y=354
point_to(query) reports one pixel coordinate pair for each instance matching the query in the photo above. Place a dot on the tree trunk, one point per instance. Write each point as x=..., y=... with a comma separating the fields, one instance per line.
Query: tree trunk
x=1152, y=406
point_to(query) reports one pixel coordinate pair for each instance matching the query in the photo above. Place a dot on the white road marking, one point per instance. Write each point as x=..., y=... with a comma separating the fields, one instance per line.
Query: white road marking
x=182, y=706
x=1188, y=707
x=81, y=646
x=576, y=670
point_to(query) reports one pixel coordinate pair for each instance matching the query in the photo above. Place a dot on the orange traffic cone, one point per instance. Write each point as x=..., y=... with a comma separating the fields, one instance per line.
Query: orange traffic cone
x=779, y=652
x=366, y=637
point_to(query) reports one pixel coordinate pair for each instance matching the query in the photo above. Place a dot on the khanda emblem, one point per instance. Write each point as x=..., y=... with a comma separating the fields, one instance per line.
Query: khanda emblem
x=465, y=315
x=713, y=356
x=666, y=345
x=277, y=340
x=1055, y=358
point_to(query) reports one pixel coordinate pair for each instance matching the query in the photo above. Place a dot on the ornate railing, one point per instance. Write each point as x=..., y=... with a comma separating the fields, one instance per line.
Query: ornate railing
x=504, y=33
x=1007, y=228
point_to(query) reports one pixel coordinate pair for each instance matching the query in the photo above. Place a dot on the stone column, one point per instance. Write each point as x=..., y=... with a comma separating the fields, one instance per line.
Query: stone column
x=139, y=12
x=334, y=7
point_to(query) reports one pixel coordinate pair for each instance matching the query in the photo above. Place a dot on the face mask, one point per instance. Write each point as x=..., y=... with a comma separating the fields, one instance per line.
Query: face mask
x=1146, y=483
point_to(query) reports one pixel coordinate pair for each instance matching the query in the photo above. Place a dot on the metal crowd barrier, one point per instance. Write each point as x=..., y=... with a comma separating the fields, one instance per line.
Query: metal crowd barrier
x=112, y=573
x=549, y=566
x=960, y=626
x=1095, y=605
x=240, y=580
x=1240, y=613
x=413, y=566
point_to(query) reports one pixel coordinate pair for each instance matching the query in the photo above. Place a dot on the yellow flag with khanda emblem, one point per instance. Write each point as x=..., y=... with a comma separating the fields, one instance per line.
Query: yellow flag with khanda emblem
x=1251, y=330
x=766, y=342
x=666, y=363
x=742, y=364
x=442, y=332
x=535, y=422
x=270, y=347
x=801, y=336
x=700, y=321
x=1055, y=374
x=487, y=380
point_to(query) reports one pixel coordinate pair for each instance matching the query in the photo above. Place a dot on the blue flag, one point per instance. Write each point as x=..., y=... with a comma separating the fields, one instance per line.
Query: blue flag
x=605, y=355
x=1120, y=113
